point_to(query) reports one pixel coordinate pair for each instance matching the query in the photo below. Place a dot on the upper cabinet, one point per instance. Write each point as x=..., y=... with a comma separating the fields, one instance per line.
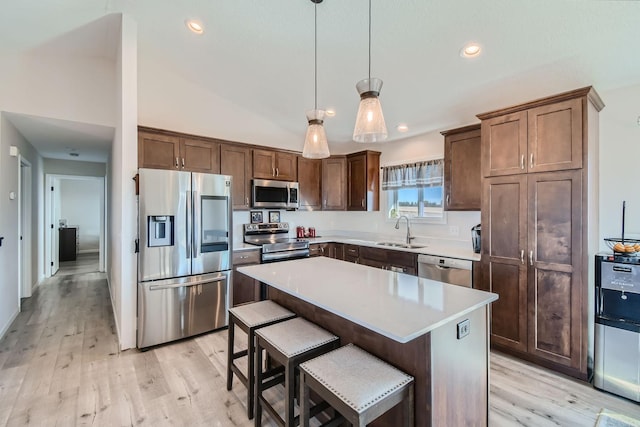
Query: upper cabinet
x=334, y=183
x=533, y=138
x=462, y=174
x=363, y=185
x=165, y=151
x=278, y=165
x=235, y=160
x=310, y=181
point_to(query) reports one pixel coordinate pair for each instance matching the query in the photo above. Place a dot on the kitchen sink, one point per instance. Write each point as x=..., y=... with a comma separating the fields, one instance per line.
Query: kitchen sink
x=401, y=245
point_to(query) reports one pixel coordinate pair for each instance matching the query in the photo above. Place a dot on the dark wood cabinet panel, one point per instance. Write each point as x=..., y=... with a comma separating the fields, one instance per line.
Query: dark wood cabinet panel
x=334, y=172
x=235, y=160
x=310, y=181
x=157, y=151
x=336, y=251
x=199, y=155
x=270, y=164
x=555, y=136
x=555, y=266
x=504, y=270
x=352, y=253
x=389, y=259
x=462, y=172
x=245, y=289
x=67, y=244
x=319, y=249
x=363, y=181
x=504, y=144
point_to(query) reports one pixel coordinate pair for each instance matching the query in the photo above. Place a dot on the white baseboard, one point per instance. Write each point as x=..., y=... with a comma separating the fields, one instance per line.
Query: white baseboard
x=89, y=251
x=6, y=327
x=113, y=310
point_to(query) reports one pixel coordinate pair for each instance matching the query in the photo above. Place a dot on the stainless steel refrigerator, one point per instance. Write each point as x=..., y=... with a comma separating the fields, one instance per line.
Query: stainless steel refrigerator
x=184, y=259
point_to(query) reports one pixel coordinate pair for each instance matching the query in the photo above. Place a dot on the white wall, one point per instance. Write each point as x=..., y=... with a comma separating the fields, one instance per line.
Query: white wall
x=80, y=206
x=74, y=167
x=9, y=170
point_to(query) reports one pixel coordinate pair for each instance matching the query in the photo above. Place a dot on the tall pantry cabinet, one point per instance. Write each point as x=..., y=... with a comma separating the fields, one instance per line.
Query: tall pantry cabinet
x=536, y=217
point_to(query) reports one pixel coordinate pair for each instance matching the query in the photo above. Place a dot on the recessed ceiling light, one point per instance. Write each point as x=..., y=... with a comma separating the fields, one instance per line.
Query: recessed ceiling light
x=330, y=112
x=402, y=128
x=470, y=50
x=195, y=26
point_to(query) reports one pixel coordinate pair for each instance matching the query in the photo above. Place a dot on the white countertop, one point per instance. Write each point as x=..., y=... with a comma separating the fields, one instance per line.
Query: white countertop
x=396, y=305
x=429, y=249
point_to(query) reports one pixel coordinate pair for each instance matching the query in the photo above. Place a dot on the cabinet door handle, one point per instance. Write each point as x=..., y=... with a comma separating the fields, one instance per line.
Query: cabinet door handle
x=521, y=256
x=244, y=256
x=273, y=171
x=362, y=203
x=247, y=201
x=176, y=163
x=183, y=163
x=531, y=161
x=522, y=162
x=530, y=257
x=448, y=200
x=277, y=172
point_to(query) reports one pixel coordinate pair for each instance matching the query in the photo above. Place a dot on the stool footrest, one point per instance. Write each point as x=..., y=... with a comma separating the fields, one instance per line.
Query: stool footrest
x=240, y=354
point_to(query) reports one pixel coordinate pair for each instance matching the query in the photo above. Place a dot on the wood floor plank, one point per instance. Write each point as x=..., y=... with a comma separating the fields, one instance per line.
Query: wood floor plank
x=60, y=366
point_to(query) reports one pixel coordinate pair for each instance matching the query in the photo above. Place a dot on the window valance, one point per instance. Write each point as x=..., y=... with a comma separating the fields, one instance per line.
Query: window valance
x=411, y=175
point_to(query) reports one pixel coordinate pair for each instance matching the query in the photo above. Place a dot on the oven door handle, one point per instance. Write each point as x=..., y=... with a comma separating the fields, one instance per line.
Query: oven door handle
x=273, y=256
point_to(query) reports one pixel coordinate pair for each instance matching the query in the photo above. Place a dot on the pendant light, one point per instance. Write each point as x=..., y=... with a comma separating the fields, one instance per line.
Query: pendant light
x=370, y=126
x=315, y=142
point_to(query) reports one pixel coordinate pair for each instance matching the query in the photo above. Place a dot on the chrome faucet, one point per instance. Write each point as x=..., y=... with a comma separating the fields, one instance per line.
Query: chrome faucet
x=409, y=236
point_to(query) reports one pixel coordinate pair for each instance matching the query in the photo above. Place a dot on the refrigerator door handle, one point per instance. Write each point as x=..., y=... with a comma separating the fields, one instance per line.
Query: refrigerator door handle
x=196, y=221
x=189, y=224
x=187, y=284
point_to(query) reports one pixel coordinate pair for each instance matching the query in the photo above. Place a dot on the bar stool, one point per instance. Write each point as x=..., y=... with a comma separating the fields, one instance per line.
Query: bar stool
x=359, y=386
x=289, y=343
x=250, y=317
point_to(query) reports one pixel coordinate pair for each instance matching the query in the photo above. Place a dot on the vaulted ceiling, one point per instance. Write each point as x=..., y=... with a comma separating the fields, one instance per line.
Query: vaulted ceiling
x=259, y=54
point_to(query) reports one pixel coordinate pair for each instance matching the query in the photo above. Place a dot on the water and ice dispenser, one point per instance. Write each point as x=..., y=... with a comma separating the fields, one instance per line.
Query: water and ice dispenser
x=161, y=230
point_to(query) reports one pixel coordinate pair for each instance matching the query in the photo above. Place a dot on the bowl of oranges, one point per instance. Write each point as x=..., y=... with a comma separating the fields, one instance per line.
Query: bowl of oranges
x=623, y=246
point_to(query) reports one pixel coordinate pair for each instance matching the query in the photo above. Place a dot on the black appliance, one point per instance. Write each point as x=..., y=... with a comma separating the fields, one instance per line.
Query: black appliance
x=475, y=238
x=617, y=325
x=273, y=238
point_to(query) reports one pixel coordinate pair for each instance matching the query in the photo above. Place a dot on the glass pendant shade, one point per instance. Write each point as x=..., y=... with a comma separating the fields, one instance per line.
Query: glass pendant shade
x=315, y=142
x=370, y=126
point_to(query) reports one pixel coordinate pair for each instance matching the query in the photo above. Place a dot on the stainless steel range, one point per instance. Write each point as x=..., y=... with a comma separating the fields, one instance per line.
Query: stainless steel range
x=275, y=242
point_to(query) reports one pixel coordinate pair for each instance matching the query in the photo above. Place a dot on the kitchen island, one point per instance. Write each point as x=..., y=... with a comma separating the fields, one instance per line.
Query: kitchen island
x=436, y=332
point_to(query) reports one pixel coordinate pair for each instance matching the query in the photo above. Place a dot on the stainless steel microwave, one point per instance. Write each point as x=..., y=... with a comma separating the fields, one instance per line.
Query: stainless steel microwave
x=267, y=193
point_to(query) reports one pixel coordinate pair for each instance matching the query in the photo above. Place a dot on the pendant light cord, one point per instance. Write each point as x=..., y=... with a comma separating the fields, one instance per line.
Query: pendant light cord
x=369, y=40
x=315, y=49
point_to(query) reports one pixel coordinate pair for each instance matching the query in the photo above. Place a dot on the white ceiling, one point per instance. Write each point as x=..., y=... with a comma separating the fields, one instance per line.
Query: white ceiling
x=259, y=54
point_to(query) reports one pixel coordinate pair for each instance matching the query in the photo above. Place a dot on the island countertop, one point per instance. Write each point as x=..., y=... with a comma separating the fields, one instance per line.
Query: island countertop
x=396, y=305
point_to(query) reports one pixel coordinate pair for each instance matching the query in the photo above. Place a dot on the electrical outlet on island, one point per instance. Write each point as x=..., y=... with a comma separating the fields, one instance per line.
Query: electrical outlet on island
x=454, y=230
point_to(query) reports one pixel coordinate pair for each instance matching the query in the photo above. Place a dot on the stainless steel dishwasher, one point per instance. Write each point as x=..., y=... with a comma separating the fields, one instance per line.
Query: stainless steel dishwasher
x=447, y=270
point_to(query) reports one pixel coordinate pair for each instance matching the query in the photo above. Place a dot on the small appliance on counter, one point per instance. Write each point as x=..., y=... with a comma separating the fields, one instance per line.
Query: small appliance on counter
x=475, y=238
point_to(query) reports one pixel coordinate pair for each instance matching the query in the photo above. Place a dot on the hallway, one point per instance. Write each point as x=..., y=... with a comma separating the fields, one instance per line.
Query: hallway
x=60, y=365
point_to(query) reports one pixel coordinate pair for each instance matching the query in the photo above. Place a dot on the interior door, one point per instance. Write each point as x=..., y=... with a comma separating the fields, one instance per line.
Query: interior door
x=55, y=217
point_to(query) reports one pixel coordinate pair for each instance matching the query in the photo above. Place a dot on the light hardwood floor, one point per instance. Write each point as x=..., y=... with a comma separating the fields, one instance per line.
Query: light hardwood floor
x=60, y=366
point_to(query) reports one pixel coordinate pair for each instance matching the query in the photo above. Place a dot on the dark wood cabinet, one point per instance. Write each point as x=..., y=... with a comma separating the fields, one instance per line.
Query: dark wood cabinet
x=334, y=181
x=336, y=251
x=363, y=181
x=352, y=253
x=67, y=244
x=388, y=259
x=163, y=150
x=199, y=155
x=319, y=249
x=310, y=181
x=278, y=165
x=244, y=288
x=462, y=172
x=543, y=138
x=536, y=244
x=235, y=160
x=158, y=151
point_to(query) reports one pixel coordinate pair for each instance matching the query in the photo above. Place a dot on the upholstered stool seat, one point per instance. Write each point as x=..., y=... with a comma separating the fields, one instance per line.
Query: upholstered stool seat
x=288, y=343
x=356, y=384
x=250, y=317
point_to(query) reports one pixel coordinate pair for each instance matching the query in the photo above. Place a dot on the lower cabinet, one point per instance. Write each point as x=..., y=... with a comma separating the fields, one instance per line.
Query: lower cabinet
x=388, y=259
x=319, y=249
x=336, y=251
x=244, y=288
x=352, y=253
